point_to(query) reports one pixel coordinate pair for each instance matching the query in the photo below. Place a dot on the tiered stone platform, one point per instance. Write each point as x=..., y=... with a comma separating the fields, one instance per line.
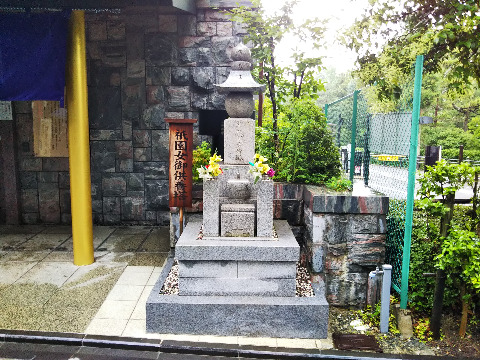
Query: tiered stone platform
x=237, y=288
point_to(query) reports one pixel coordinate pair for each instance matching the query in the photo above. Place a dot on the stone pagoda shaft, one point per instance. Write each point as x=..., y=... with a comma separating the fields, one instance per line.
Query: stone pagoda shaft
x=239, y=129
x=234, y=207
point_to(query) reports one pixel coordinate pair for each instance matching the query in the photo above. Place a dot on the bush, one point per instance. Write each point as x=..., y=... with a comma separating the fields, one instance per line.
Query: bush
x=307, y=153
x=467, y=154
x=426, y=245
x=201, y=155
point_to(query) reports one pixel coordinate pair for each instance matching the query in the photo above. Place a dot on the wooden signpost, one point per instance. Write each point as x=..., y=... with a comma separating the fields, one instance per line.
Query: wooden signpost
x=180, y=164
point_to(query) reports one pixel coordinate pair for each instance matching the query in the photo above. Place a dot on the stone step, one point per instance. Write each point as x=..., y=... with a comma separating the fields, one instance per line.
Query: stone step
x=237, y=220
x=260, y=316
x=236, y=287
x=285, y=248
x=238, y=269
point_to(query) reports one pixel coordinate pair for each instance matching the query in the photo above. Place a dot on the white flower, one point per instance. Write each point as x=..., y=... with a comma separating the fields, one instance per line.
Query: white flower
x=203, y=173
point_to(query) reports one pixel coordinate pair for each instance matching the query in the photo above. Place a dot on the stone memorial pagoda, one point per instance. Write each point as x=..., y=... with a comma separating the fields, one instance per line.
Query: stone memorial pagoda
x=237, y=268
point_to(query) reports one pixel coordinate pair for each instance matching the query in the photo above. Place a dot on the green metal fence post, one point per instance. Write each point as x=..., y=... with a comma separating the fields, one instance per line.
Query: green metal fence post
x=412, y=168
x=354, y=134
x=326, y=111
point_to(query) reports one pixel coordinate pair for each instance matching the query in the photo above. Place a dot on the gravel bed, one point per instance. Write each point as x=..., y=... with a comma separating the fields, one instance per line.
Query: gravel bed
x=200, y=233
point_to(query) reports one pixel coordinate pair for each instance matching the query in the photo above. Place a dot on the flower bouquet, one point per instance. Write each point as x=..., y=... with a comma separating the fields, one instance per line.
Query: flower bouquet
x=212, y=169
x=260, y=167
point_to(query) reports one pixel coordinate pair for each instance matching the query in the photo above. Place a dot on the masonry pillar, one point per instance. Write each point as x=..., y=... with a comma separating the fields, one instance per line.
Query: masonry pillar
x=9, y=209
x=78, y=142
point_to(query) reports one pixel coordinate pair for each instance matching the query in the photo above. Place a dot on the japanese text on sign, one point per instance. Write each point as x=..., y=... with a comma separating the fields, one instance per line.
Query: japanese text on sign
x=180, y=169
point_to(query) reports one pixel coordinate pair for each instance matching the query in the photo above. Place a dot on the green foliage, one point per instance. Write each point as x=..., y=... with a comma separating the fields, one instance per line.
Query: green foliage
x=450, y=138
x=307, y=153
x=444, y=179
x=336, y=86
x=264, y=32
x=339, y=184
x=442, y=243
x=460, y=257
x=371, y=317
x=425, y=246
x=201, y=156
x=467, y=154
x=421, y=329
x=436, y=29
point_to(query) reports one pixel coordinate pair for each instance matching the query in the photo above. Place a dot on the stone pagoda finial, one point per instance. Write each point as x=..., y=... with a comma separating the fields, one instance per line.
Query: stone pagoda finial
x=240, y=84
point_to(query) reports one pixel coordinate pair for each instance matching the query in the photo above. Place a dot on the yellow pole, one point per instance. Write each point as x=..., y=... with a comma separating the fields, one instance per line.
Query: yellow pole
x=78, y=142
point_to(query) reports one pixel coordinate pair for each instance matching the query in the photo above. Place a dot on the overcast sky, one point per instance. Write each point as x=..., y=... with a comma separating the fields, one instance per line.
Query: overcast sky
x=341, y=13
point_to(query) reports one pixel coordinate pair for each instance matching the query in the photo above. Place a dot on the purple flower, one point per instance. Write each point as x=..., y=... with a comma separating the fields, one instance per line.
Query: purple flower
x=271, y=172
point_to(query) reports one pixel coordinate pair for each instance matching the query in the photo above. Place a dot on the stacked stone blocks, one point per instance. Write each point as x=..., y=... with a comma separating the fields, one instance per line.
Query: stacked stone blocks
x=345, y=238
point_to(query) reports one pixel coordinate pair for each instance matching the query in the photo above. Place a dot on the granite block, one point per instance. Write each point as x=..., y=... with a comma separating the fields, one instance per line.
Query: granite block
x=207, y=269
x=317, y=258
x=320, y=202
x=366, y=249
x=238, y=188
x=156, y=195
x=331, y=228
x=236, y=172
x=368, y=224
x=237, y=223
x=211, y=207
x=239, y=140
x=265, y=208
x=285, y=248
x=289, y=317
x=288, y=209
x=237, y=207
x=267, y=269
x=202, y=78
x=236, y=287
x=346, y=289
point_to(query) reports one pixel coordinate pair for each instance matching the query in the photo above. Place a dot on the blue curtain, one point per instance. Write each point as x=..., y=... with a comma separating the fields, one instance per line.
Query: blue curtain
x=33, y=55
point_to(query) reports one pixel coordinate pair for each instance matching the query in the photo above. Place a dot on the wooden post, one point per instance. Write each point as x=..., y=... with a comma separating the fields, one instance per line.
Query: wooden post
x=180, y=164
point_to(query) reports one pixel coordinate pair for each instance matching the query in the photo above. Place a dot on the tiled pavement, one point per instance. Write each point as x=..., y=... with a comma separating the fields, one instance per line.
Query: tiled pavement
x=41, y=289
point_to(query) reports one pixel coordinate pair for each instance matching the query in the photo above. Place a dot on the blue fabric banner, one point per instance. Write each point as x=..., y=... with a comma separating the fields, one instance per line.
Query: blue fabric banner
x=33, y=55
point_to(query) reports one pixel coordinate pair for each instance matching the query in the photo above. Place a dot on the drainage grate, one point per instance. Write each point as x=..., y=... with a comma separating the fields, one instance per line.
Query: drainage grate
x=356, y=342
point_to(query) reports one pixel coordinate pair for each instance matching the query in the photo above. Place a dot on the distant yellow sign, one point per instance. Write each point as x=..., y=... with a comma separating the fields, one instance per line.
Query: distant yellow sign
x=389, y=157
x=50, y=132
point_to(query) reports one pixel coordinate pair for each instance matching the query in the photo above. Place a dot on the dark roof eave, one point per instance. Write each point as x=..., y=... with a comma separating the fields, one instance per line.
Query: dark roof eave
x=177, y=5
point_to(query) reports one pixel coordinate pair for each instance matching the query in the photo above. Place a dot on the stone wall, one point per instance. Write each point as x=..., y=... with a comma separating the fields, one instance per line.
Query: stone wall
x=345, y=240
x=143, y=67
x=44, y=182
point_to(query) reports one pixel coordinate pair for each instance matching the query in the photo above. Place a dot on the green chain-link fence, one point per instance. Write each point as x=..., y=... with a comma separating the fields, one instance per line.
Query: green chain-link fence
x=380, y=149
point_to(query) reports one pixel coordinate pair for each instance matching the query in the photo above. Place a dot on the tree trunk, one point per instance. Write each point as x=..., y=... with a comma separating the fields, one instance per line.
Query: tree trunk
x=474, y=206
x=436, y=319
x=463, y=322
x=274, y=105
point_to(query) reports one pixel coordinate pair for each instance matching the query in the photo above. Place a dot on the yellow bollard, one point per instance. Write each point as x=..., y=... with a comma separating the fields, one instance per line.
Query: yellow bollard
x=78, y=142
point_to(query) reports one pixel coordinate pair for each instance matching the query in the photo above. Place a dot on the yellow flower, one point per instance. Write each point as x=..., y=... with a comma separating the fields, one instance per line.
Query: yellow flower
x=215, y=158
x=262, y=159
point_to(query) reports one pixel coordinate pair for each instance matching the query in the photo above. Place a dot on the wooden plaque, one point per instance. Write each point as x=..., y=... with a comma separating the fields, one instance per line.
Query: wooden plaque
x=50, y=131
x=180, y=162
